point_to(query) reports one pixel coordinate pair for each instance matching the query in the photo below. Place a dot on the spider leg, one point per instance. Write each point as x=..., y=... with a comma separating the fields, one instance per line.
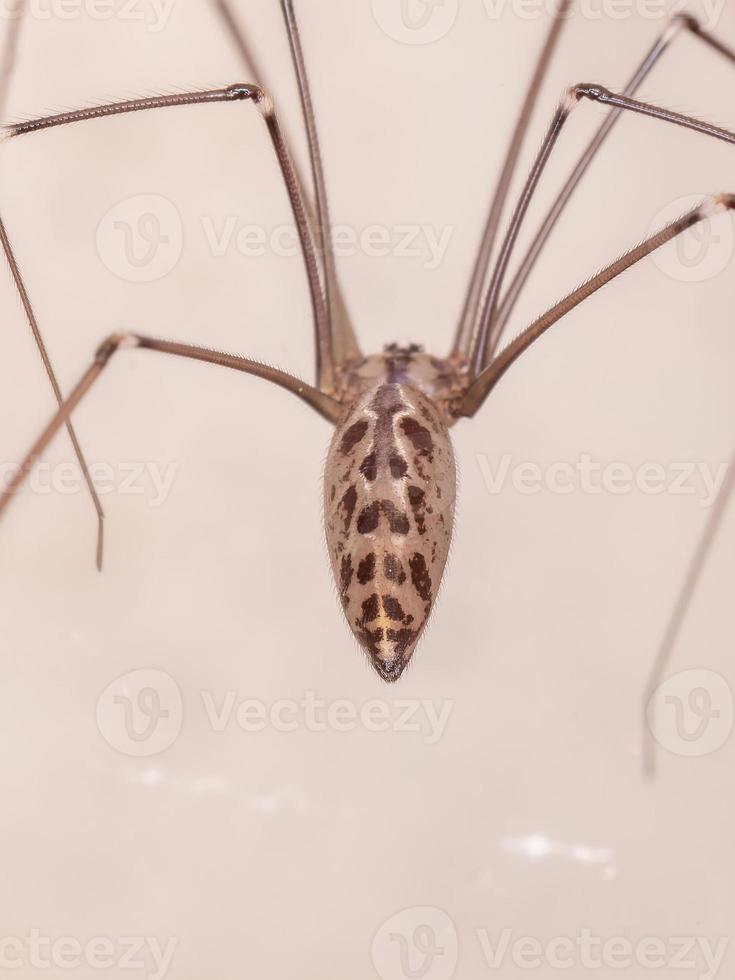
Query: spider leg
x=323, y=404
x=473, y=399
x=233, y=93
x=679, y=23
x=480, y=354
x=471, y=309
x=680, y=610
x=343, y=344
x=6, y=71
x=479, y=391
x=40, y=344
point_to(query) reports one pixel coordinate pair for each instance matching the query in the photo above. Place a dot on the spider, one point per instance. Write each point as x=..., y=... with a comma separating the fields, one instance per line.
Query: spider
x=390, y=482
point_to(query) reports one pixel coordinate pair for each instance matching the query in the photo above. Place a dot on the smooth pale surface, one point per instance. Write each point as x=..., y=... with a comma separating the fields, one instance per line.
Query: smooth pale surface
x=282, y=853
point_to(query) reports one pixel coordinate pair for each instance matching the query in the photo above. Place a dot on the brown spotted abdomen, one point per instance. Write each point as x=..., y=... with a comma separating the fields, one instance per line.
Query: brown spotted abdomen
x=390, y=487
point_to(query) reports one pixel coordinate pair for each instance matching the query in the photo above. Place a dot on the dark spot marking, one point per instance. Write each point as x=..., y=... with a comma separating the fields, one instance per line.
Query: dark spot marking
x=352, y=436
x=417, y=499
x=333, y=493
x=394, y=569
x=398, y=466
x=370, y=609
x=346, y=572
x=418, y=435
x=402, y=640
x=369, y=517
x=393, y=608
x=420, y=576
x=366, y=569
x=371, y=639
x=397, y=520
x=348, y=504
x=369, y=467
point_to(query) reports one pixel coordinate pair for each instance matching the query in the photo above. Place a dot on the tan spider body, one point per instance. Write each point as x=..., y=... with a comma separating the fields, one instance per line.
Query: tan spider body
x=389, y=494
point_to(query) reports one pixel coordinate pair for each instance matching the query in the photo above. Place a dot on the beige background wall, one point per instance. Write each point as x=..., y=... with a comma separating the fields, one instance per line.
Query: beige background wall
x=282, y=853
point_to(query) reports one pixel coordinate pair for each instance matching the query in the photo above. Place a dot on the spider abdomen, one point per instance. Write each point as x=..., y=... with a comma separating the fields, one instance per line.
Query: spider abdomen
x=390, y=488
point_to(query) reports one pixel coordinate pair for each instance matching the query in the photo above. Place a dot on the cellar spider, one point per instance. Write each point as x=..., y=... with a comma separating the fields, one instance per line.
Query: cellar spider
x=390, y=476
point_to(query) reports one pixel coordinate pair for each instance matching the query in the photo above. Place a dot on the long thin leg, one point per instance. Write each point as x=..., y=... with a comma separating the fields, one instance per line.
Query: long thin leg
x=595, y=93
x=259, y=98
x=344, y=345
x=475, y=396
x=38, y=337
x=482, y=387
x=471, y=310
x=6, y=72
x=679, y=23
x=680, y=610
x=322, y=403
